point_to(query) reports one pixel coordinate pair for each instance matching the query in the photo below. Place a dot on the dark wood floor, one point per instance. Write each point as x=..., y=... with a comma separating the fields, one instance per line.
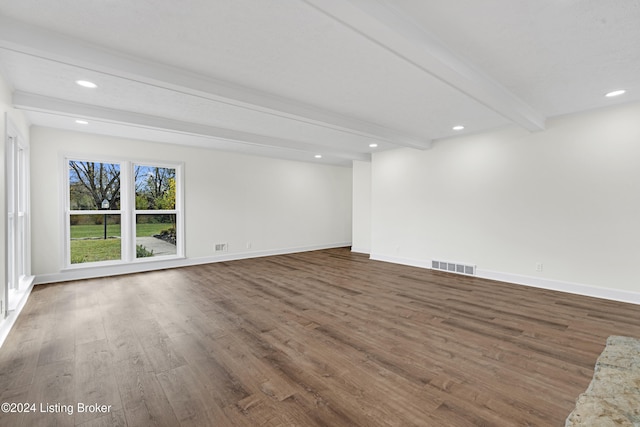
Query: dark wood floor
x=320, y=338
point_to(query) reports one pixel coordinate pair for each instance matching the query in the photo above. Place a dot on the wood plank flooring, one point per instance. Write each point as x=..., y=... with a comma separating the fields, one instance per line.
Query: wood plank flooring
x=325, y=338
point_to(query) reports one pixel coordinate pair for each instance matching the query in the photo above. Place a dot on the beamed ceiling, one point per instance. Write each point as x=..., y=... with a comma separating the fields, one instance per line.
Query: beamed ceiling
x=296, y=78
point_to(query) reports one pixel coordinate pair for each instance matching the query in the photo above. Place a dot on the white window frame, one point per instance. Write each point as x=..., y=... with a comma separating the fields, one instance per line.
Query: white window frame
x=18, y=276
x=177, y=211
x=127, y=211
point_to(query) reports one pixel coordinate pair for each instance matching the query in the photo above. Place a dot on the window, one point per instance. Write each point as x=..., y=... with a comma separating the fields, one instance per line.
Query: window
x=18, y=265
x=155, y=211
x=122, y=211
x=95, y=232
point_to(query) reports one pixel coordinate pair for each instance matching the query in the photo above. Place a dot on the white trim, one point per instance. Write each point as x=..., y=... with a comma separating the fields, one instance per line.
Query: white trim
x=358, y=250
x=17, y=206
x=10, y=320
x=399, y=260
x=139, y=267
x=5, y=221
x=63, y=196
x=532, y=281
x=561, y=286
x=16, y=295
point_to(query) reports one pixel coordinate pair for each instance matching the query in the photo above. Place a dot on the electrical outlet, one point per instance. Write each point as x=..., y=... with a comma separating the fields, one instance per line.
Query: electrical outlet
x=538, y=266
x=248, y=245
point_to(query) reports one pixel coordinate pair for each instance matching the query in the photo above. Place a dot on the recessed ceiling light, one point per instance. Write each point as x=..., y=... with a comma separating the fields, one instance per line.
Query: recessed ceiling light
x=459, y=127
x=318, y=156
x=373, y=145
x=615, y=93
x=86, y=83
x=82, y=122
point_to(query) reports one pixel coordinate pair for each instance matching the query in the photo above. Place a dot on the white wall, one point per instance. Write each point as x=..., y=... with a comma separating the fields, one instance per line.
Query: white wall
x=567, y=197
x=276, y=205
x=361, y=237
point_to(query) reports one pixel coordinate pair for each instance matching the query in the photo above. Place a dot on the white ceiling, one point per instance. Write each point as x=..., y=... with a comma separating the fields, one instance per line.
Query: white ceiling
x=295, y=78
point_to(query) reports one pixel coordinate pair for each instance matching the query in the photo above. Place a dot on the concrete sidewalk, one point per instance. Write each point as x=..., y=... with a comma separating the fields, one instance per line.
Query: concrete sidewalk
x=158, y=246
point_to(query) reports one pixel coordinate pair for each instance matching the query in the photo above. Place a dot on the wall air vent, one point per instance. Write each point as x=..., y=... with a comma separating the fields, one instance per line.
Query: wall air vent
x=452, y=267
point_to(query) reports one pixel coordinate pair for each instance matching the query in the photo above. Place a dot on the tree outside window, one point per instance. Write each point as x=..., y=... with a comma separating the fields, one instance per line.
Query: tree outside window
x=105, y=227
x=155, y=213
x=94, y=234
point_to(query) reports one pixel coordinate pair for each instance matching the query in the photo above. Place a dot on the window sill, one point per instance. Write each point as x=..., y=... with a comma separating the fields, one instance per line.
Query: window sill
x=121, y=264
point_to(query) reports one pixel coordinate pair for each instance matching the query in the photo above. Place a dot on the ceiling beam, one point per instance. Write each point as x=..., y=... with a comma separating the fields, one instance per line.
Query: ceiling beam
x=38, y=42
x=43, y=104
x=384, y=23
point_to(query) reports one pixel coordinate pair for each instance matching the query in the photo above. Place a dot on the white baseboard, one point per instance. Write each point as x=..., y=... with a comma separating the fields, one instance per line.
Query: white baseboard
x=562, y=286
x=106, y=271
x=536, y=282
x=10, y=320
x=399, y=260
x=358, y=250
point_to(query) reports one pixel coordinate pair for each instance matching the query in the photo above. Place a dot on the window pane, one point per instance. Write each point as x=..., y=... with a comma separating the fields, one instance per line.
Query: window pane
x=155, y=188
x=94, y=240
x=155, y=235
x=91, y=184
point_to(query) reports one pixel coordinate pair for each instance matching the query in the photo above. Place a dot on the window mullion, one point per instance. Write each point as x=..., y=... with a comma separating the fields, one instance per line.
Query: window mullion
x=161, y=229
x=126, y=205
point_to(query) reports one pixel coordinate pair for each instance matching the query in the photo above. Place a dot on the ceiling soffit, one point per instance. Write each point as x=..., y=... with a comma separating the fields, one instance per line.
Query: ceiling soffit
x=40, y=43
x=320, y=126
x=384, y=24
